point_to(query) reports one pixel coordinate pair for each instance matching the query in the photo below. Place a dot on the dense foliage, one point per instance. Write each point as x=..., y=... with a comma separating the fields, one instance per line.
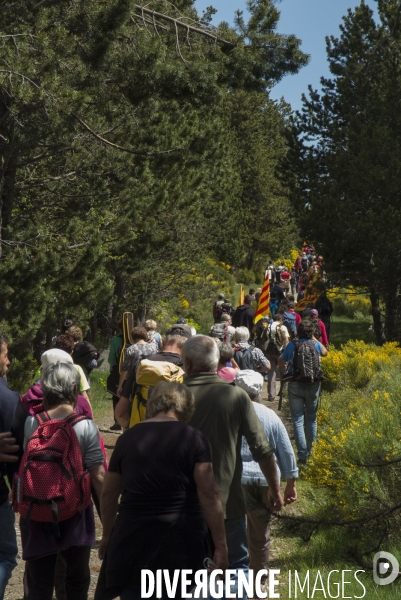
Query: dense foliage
x=122, y=164
x=354, y=469
x=346, y=160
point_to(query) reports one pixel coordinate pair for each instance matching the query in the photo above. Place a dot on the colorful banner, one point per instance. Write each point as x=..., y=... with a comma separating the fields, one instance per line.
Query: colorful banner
x=241, y=296
x=263, y=308
x=312, y=293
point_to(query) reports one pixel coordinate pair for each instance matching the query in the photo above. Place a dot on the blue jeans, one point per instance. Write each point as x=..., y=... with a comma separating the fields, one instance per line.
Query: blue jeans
x=237, y=544
x=303, y=399
x=8, y=545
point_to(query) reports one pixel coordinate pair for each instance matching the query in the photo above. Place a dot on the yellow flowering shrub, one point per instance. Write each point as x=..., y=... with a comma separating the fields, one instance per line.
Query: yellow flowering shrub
x=355, y=465
x=289, y=260
x=357, y=363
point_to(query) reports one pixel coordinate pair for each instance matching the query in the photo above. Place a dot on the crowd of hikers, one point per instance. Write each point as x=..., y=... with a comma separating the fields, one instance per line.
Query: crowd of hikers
x=196, y=441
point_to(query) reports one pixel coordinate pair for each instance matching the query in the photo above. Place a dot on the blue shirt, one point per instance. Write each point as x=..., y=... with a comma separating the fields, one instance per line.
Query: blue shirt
x=288, y=353
x=277, y=435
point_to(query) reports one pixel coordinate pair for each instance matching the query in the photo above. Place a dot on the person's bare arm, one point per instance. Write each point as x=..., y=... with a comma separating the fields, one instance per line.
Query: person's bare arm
x=108, y=507
x=97, y=475
x=209, y=499
x=323, y=348
x=122, y=411
x=8, y=448
x=269, y=470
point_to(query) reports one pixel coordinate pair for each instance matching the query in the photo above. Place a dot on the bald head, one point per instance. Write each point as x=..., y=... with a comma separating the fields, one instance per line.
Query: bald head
x=200, y=354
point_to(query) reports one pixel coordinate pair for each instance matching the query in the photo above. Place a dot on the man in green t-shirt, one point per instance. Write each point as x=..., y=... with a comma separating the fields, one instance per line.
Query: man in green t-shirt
x=116, y=345
x=224, y=413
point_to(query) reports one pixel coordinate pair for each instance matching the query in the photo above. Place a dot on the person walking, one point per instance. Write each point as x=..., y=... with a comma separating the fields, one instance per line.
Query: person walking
x=73, y=537
x=12, y=419
x=302, y=355
x=224, y=413
x=258, y=517
x=169, y=498
x=247, y=356
x=113, y=379
x=314, y=316
x=275, y=340
x=171, y=354
x=325, y=308
x=244, y=315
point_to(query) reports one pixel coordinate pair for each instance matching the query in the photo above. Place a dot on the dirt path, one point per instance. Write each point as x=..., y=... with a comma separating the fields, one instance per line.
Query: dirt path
x=14, y=590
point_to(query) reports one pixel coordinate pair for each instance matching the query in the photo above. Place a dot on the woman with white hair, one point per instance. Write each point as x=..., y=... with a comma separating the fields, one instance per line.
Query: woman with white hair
x=258, y=518
x=247, y=356
x=153, y=335
x=76, y=535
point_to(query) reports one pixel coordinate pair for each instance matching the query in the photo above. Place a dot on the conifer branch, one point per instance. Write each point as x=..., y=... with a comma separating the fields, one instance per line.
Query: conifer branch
x=338, y=522
x=121, y=148
x=179, y=23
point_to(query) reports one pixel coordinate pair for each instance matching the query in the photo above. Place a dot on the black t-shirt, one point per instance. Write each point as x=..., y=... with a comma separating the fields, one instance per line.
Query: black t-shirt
x=170, y=357
x=157, y=462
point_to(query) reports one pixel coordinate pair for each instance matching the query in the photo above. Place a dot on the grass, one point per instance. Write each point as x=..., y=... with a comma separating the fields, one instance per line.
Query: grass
x=344, y=329
x=321, y=555
x=99, y=396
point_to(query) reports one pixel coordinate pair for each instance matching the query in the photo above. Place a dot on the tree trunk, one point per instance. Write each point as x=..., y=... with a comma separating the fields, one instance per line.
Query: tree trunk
x=377, y=321
x=392, y=324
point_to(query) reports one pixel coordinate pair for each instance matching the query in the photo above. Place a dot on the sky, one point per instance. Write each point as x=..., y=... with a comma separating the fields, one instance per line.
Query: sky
x=309, y=20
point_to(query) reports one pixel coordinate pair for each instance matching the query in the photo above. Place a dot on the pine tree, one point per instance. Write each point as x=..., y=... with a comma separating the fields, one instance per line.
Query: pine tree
x=347, y=160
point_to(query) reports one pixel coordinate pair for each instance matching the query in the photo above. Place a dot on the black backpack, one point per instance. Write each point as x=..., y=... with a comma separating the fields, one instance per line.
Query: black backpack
x=84, y=353
x=306, y=362
x=224, y=309
x=244, y=358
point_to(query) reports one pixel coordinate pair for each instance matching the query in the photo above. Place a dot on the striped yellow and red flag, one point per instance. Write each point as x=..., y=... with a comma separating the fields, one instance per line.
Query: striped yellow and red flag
x=241, y=296
x=312, y=293
x=263, y=308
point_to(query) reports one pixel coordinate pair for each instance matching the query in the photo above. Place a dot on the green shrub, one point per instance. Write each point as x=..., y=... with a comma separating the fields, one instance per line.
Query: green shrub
x=246, y=276
x=353, y=469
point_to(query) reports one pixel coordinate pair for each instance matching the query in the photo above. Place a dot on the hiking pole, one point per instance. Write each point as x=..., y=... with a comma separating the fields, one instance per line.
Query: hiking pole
x=280, y=402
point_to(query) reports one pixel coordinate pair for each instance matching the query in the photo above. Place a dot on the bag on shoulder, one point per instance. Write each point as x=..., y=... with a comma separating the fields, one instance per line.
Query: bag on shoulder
x=148, y=374
x=244, y=358
x=306, y=362
x=274, y=342
x=219, y=331
x=223, y=308
x=52, y=483
x=290, y=321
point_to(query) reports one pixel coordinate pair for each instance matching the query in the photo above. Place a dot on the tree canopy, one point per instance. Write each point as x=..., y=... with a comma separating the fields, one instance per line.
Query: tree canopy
x=121, y=151
x=346, y=160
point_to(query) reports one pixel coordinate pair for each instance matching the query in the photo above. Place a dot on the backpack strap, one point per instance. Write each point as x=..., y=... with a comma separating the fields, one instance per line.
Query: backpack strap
x=42, y=417
x=74, y=418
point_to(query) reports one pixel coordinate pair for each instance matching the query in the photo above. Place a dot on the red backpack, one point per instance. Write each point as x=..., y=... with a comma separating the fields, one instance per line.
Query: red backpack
x=52, y=484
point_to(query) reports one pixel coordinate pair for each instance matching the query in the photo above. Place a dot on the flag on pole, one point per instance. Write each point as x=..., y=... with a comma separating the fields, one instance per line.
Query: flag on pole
x=241, y=296
x=312, y=293
x=263, y=304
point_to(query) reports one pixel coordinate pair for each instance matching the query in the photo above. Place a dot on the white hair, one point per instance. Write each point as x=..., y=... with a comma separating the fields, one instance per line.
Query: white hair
x=203, y=353
x=60, y=382
x=242, y=334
